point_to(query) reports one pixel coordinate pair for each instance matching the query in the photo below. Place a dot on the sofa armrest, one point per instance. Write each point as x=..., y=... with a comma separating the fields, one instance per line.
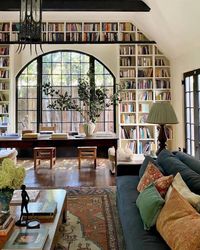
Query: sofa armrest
x=128, y=169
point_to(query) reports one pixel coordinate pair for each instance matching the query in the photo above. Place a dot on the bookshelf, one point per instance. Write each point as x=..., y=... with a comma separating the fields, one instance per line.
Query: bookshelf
x=4, y=86
x=144, y=76
x=78, y=32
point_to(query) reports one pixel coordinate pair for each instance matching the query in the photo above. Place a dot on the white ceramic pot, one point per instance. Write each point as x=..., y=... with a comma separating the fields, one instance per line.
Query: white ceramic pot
x=89, y=128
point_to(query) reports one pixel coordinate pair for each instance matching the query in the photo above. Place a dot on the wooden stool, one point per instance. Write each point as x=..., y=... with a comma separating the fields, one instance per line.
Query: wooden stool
x=87, y=153
x=44, y=153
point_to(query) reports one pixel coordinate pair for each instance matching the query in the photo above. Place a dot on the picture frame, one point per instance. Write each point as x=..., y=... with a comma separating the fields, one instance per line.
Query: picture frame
x=22, y=239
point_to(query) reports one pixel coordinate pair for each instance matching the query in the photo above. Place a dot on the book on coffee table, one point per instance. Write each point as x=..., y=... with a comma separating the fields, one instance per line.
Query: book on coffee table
x=22, y=239
x=41, y=210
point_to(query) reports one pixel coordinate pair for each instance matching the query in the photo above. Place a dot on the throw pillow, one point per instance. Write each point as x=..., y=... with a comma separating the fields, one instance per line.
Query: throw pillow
x=172, y=165
x=179, y=223
x=150, y=204
x=179, y=184
x=151, y=174
x=145, y=163
x=162, y=184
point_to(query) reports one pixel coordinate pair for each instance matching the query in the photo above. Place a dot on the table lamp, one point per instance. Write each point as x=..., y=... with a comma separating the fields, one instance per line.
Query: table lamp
x=162, y=113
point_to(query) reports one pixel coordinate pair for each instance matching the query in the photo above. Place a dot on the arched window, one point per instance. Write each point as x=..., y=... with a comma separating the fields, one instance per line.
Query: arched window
x=62, y=69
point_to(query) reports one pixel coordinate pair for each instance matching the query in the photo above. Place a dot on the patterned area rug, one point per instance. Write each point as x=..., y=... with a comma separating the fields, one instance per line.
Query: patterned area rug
x=92, y=221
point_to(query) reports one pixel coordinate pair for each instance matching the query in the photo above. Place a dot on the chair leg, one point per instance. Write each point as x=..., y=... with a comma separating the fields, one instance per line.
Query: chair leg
x=95, y=163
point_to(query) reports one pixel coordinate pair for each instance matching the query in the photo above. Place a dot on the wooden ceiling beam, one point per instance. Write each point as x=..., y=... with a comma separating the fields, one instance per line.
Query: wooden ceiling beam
x=81, y=5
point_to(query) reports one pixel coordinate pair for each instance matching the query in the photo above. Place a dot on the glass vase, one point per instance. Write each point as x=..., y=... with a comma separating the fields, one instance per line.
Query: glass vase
x=5, y=198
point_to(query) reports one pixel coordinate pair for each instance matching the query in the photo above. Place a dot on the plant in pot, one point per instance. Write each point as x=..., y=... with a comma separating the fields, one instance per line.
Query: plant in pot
x=11, y=178
x=92, y=101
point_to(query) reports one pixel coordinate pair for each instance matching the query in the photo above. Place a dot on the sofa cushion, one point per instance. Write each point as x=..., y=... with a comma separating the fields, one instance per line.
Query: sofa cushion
x=145, y=163
x=179, y=223
x=151, y=174
x=162, y=184
x=149, y=203
x=133, y=230
x=193, y=163
x=179, y=184
x=172, y=165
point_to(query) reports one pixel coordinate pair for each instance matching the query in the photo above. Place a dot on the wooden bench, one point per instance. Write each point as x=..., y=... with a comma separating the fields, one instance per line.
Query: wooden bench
x=87, y=153
x=44, y=153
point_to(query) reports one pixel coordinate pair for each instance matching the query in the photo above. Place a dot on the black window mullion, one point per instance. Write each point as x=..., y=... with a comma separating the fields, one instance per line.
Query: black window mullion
x=39, y=91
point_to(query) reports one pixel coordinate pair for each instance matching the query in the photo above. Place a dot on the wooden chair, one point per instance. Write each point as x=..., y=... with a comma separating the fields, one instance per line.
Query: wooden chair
x=43, y=127
x=44, y=153
x=87, y=153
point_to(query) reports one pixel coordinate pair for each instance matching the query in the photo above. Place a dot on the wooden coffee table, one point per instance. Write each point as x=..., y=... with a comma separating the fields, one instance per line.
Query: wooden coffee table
x=58, y=195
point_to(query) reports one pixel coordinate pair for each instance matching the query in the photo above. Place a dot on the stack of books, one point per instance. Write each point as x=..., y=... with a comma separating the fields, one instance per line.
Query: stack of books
x=30, y=136
x=42, y=211
x=6, y=223
x=60, y=136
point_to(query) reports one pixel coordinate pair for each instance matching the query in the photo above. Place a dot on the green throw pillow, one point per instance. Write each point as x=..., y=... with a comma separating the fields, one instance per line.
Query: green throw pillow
x=150, y=203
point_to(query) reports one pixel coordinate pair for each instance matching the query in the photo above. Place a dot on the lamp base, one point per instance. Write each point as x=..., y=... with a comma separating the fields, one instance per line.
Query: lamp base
x=162, y=138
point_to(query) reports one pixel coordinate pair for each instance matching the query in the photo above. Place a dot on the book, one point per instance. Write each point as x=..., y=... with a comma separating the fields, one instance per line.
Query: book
x=6, y=230
x=30, y=135
x=5, y=221
x=27, y=239
x=17, y=199
x=60, y=136
x=41, y=210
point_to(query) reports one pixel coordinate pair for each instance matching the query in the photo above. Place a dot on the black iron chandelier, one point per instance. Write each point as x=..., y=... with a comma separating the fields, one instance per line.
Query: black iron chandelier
x=30, y=25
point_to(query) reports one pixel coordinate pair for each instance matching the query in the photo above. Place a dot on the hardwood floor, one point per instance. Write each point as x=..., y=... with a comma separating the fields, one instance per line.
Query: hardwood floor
x=66, y=173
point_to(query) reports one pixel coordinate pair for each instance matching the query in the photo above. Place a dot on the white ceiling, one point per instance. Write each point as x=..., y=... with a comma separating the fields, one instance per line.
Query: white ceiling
x=173, y=24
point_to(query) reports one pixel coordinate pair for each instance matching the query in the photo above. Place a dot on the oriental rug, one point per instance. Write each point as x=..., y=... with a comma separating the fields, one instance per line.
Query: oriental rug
x=92, y=221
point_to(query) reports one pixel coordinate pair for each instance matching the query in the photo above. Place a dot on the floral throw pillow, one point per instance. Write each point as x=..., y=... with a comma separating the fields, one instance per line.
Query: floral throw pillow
x=162, y=184
x=151, y=174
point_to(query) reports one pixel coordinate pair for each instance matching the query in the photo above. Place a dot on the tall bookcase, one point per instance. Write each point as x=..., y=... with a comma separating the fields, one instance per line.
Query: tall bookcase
x=4, y=87
x=144, y=76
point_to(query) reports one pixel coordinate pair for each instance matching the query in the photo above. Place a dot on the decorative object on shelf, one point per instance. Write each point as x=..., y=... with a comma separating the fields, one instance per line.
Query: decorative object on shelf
x=92, y=100
x=11, y=177
x=162, y=113
x=30, y=24
x=24, y=204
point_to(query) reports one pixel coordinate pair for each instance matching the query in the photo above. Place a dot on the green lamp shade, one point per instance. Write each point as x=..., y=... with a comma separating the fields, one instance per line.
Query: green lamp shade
x=162, y=113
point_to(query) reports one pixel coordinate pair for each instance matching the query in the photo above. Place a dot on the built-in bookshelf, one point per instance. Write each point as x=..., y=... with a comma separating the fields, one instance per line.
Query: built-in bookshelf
x=4, y=86
x=144, y=76
x=78, y=32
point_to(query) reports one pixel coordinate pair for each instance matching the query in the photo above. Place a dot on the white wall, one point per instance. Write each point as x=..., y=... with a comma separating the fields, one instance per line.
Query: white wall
x=106, y=53
x=180, y=65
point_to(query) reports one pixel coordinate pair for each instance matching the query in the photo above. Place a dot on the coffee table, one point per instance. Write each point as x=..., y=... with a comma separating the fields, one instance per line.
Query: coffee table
x=58, y=195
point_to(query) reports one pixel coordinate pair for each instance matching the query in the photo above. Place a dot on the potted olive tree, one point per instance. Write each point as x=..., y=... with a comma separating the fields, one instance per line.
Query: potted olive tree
x=92, y=101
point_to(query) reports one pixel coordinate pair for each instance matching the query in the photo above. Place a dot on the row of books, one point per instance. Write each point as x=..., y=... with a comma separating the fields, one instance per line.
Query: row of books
x=88, y=37
x=4, y=51
x=4, y=97
x=127, y=50
x=128, y=107
x=128, y=133
x=144, y=107
x=73, y=37
x=161, y=62
x=147, y=95
x=128, y=84
x=163, y=84
x=127, y=118
x=4, y=62
x=110, y=37
x=128, y=96
x=144, y=133
x=4, y=73
x=148, y=72
x=145, y=49
x=4, y=26
x=144, y=148
x=4, y=37
x=162, y=73
x=145, y=84
x=127, y=72
x=144, y=61
x=74, y=27
x=4, y=108
x=127, y=27
x=128, y=37
x=127, y=61
x=56, y=27
x=109, y=27
x=163, y=96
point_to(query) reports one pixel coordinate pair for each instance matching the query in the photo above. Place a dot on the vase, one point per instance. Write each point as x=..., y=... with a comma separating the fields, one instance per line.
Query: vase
x=89, y=128
x=5, y=198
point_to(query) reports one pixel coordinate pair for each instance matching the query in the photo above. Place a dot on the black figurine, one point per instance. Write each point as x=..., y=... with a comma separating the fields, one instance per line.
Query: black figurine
x=25, y=201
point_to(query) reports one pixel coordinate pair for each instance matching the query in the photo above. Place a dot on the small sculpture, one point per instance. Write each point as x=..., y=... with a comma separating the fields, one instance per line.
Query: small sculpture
x=25, y=201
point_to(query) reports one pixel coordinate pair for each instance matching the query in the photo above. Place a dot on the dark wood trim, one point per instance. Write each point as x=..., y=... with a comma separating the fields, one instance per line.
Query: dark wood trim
x=82, y=5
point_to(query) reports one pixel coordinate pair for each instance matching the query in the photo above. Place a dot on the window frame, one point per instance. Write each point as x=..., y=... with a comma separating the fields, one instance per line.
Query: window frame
x=39, y=62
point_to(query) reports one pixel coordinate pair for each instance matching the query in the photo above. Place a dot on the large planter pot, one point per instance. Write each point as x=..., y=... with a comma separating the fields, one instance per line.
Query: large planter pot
x=89, y=128
x=5, y=198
